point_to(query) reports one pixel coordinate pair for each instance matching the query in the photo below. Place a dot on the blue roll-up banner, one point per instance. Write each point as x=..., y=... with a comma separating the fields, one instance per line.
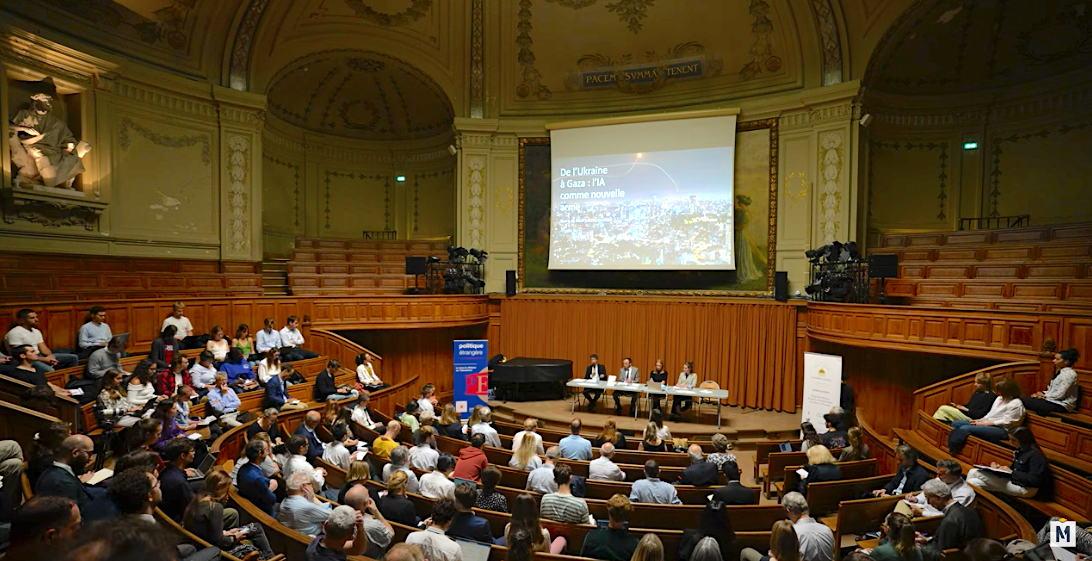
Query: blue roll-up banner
x=471, y=375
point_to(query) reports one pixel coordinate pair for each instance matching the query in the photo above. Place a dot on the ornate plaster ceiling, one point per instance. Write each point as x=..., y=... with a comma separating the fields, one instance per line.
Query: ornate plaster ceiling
x=359, y=95
x=951, y=46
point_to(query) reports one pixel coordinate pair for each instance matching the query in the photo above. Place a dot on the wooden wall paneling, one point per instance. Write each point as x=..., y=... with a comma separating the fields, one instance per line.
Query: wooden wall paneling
x=426, y=353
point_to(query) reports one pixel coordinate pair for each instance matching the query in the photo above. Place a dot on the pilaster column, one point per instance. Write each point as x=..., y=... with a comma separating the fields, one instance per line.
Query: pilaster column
x=241, y=116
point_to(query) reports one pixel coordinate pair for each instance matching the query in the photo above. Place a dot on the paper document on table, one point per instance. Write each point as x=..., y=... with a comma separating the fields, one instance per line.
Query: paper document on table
x=999, y=470
x=205, y=422
x=611, y=380
x=100, y=476
x=194, y=436
x=75, y=391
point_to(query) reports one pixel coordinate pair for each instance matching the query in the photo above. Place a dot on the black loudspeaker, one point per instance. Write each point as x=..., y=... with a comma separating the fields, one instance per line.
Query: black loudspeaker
x=884, y=266
x=510, y=283
x=416, y=266
x=781, y=286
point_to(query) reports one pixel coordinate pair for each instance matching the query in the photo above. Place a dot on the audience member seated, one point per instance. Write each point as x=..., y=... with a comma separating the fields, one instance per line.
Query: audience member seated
x=835, y=437
x=651, y=489
x=525, y=518
x=610, y=433
x=1061, y=395
x=959, y=526
x=174, y=479
x=525, y=455
x=306, y=429
x=143, y=436
x=124, y=540
x=980, y=403
x=365, y=373
x=1030, y=470
x=898, y=540
x=223, y=403
x=409, y=416
x=651, y=441
x=218, y=344
x=472, y=459
x=733, y=493
x=244, y=341
x=269, y=366
x=433, y=540
x=541, y=479
x=688, y=379
x=359, y=473
x=820, y=467
x=485, y=429
x=207, y=518
x=909, y=477
x=985, y=549
x=561, y=505
x=810, y=437
x=165, y=347
x=26, y=357
x=437, y=484
x=700, y=473
x=276, y=392
x=136, y=493
x=297, y=463
x=949, y=472
x=111, y=404
x=613, y=543
x=336, y=453
x=104, y=359
x=327, y=389
x=530, y=429
x=342, y=534
x=488, y=497
x=603, y=467
x=239, y=372
x=650, y=548
x=181, y=324
x=399, y=458
x=42, y=451
x=292, y=342
x=94, y=334
x=574, y=446
x=72, y=459
x=301, y=510
x=428, y=401
x=140, y=390
x=378, y=531
x=451, y=425
x=203, y=373
x=362, y=415
x=1006, y=414
x=26, y=333
x=465, y=524
x=384, y=443
x=166, y=381
x=254, y=486
x=816, y=540
x=269, y=466
x=164, y=414
x=721, y=445
x=423, y=455
x=399, y=509
x=43, y=527
x=714, y=523
x=855, y=449
x=11, y=469
x=7, y=366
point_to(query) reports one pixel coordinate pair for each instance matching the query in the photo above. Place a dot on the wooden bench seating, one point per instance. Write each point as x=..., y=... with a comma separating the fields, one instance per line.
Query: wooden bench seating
x=776, y=462
x=355, y=267
x=21, y=424
x=850, y=470
x=764, y=448
x=824, y=497
x=67, y=409
x=188, y=537
x=1060, y=233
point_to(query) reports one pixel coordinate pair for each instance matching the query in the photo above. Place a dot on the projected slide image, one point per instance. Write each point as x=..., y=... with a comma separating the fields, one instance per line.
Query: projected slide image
x=643, y=210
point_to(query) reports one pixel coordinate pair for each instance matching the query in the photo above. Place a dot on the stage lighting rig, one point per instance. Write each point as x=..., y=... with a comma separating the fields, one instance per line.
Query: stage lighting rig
x=837, y=273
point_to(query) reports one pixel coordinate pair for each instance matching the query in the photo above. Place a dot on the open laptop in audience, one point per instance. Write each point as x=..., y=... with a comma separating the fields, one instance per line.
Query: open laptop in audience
x=203, y=469
x=473, y=551
x=460, y=481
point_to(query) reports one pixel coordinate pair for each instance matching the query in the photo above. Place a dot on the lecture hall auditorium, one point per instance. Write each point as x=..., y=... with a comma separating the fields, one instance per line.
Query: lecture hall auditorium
x=241, y=239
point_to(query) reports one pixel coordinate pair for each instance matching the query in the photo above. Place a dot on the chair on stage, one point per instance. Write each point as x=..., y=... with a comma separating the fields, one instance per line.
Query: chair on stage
x=707, y=385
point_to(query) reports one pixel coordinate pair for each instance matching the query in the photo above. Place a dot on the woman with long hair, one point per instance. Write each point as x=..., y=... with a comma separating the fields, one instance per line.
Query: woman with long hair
x=395, y=506
x=707, y=550
x=1030, y=470
x=329, y=413
x=981, y=400
x=140, y=389
x=1006, y=413
x=450, y=424
x=218, y=344
x=270, y=365
x=165, y=413
x=165, y=347
x=657, y=375
x=43, y=450
x=359, y=473
x=662, y=431
x=810, y=436
x=650, y=548
x=900, y=543
x=526, y=456
x=112, y=403
x=525, y=512
x=714, y=523
x=475, y=416
x=784, y=545
x=166, y=381
x=651, y=441
x=855, y=449
x=610, y=433
x=204, y=517
x=688, y=379
x=144, y=435
x=244, y=341
x=521, y=545
x=820, y=467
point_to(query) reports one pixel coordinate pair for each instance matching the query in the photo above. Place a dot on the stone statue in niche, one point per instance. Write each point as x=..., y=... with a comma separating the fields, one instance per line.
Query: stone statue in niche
x=43, y=149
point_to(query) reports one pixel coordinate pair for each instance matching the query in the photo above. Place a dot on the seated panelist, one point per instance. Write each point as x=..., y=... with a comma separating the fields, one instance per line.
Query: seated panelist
x=628, y=374
x=595, y=372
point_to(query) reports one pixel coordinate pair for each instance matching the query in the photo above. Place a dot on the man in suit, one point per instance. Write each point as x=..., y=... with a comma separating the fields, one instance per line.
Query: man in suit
x=959, y=526
x=594, y=371
x=699, y=473
x=62, y=478
x=910, y=476
x=307, y=430
x=628, y=374
x=734, y=493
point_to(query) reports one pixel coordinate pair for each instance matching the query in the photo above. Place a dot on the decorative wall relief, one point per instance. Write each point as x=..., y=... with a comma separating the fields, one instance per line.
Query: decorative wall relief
x=168, y=141
x=238, y=191
x=168, y=25
x=296, y=184
x=477, y=59
x=832, y=41
x=762, y=56
x=681, y=62
x=998, y=150
x=417, y=10
x=476, y=205
x=531, y=84
x=831, y=162
x=631, y=12
x=241, y=47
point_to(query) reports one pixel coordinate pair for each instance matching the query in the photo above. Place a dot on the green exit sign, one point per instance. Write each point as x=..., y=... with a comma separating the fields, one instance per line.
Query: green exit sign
x=970, y=146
